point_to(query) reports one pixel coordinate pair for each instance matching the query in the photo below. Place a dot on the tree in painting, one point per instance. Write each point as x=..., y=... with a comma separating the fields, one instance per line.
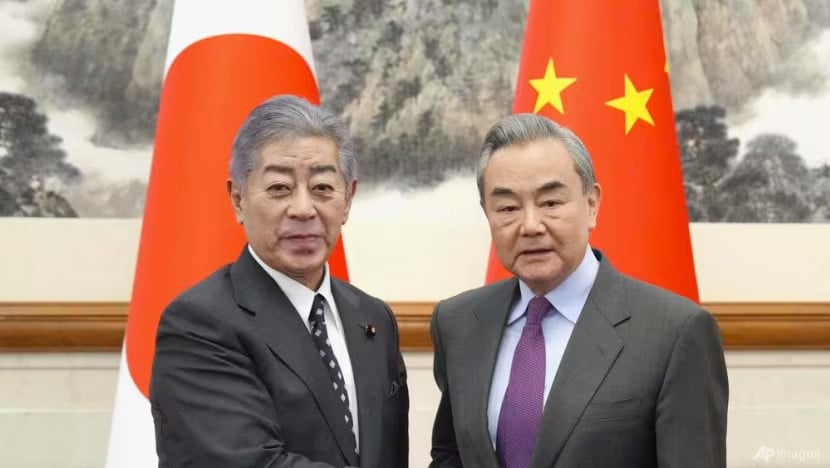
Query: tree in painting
x=33, y=166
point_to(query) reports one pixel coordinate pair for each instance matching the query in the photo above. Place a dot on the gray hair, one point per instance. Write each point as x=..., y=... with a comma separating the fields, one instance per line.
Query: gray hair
x=286, y=118
x=520, y=129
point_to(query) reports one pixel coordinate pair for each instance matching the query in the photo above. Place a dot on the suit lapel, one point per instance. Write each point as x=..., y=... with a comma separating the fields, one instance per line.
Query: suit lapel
x=591, y=351
x=288, y=338
x=491, y=315
x=364, y=352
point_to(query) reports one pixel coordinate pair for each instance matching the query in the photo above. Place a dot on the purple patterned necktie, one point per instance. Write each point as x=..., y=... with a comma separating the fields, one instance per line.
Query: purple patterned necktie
x=521, y=409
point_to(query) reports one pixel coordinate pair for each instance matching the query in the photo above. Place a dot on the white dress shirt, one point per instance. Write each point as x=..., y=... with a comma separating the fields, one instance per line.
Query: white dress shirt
x=568, y=299
x=302, y=298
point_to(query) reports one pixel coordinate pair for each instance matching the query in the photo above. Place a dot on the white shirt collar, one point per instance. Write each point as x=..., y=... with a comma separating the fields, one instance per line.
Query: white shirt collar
x=569, y=297
x=300, y=296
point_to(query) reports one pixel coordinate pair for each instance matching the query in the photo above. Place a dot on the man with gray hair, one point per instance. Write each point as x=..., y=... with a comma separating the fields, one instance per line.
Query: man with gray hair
x=270, y=361
x=570, y=363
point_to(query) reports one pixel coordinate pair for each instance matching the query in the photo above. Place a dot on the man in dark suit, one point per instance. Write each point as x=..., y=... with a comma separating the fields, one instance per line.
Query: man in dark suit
x=271, y=362
x=570, y=363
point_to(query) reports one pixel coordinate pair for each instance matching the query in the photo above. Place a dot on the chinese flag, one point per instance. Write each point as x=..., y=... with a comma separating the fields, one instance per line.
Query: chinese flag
x=223, y=59
x=600, y=69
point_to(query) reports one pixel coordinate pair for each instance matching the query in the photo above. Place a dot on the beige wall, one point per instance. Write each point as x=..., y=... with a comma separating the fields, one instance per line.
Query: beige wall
x=399, y=260
x=55, y=408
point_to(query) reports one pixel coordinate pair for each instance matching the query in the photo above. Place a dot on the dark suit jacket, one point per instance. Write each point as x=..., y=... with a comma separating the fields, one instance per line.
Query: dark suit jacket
x=237, y=380
x=642, y=382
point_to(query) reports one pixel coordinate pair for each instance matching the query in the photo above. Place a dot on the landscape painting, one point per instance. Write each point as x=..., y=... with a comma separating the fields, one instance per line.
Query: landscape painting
x=419, y=84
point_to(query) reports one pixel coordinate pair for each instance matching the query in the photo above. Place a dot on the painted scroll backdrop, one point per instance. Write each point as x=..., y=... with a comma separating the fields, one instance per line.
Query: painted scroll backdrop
x=419, y=83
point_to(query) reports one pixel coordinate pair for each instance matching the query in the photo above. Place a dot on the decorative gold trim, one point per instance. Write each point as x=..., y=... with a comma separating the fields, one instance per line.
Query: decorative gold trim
x=99, y=326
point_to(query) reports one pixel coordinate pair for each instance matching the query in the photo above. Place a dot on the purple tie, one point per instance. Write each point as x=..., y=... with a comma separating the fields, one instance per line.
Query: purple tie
x=521, y=409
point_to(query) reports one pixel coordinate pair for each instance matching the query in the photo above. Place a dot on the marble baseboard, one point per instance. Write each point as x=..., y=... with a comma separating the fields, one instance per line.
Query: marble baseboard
x=55, y=408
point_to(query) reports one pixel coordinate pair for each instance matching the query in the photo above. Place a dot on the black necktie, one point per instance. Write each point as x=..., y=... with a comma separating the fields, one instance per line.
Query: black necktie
x=321, y=339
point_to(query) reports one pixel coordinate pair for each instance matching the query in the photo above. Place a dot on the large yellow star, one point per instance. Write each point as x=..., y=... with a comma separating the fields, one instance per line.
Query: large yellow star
x=633, y=103
x=550, y=89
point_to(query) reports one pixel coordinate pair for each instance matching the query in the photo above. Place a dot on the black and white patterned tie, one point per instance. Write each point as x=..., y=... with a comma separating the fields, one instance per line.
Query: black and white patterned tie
x=321, y=339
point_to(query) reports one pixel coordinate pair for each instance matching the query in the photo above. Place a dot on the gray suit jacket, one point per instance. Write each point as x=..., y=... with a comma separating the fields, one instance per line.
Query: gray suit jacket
x=237, y=380
x=642, y=382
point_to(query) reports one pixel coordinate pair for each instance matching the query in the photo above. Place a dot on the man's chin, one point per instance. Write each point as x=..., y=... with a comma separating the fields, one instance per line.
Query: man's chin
x=541, y=275
x=310, y=263
x=541, y=263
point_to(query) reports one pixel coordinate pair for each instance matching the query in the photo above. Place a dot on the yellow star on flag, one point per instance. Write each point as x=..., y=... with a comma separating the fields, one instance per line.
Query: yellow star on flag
x=550, y=89
x=633, y=103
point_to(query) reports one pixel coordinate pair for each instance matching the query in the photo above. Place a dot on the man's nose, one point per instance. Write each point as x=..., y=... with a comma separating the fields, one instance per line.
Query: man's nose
x=301, y=205
x=531, y=222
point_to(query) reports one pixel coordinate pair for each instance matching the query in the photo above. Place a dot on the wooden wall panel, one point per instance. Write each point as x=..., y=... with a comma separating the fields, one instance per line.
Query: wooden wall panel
x=96, y=326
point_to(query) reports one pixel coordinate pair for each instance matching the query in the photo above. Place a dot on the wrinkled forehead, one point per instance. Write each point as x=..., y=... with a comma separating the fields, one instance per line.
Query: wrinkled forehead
x=298, y=152
x=524, y=163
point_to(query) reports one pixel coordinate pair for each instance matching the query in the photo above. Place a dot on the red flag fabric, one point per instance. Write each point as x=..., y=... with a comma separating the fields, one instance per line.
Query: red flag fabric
x=600, y=69
x=223, y=60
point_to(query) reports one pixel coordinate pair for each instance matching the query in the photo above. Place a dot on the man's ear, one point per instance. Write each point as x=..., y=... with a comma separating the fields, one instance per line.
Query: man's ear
x=350, y=191
x=235, y=196
x=594, y=198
